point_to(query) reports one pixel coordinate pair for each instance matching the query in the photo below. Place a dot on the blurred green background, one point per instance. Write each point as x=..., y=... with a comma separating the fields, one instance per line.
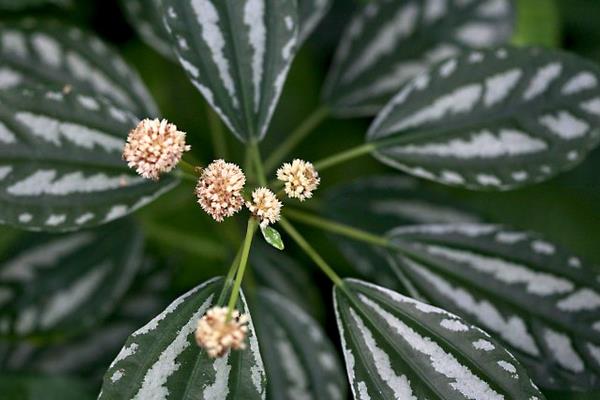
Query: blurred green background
x=565, y=209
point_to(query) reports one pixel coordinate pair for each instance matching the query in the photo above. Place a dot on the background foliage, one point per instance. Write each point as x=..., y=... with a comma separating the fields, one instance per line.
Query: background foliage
x=564, y=209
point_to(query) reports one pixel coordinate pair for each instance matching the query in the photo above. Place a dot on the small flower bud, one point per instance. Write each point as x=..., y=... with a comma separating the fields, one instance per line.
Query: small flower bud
x=300, y=178
x=219, y=189
x=154, y=147
x=217, y=335
x=265, y=206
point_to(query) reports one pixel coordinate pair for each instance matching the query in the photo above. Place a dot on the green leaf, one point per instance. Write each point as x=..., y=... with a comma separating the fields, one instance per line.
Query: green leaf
x=311, y=12
x=399, y=348
x=44, y=52
x=273, y=237
x=162, y=360
x=379, y=203
x=89, y=353
x=61, y=167
x=278, y=271
x=146, y=19
x=389, y=42
x=237, y=53
x=530, y=32
x=33, y=387
x=539, y=300
x=300, y=361
x=54, y=286
x=493, y=120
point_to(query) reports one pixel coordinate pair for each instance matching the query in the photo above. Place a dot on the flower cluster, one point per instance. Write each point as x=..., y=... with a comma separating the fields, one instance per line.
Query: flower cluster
x=154, y=147
x=219, y=189
x=217, y=335
x=265, y=206
x=300, y=178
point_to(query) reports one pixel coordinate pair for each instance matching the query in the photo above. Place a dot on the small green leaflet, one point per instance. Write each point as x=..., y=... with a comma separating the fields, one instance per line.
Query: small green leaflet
x=61, y=166
x=50, y=53
x=382, y=202
x=56, y=286
x=162, y=361
x=146, y=18
x=300, y=361
x=399, y=348
x=237, y=53
x=311, y=12
x=493, y=120
x=272, y=237
x=389, y=42
x=539, y=300
x=37, y=387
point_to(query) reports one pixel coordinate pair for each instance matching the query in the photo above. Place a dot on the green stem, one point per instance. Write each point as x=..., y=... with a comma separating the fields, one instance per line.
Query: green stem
x=258, y=165
x=187, y=168
x=217, y=133
x=235, y=292
x=337, y=228
x=311, y=252
x=299, y=134
x=344, y=156
x=229, y=278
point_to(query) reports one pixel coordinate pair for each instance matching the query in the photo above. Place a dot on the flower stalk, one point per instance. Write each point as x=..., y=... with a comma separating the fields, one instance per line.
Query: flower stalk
x=235, y=292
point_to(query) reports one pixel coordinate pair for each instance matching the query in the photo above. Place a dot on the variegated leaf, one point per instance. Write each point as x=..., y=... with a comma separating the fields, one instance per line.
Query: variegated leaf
x=89, y=353
x=399, y=348
x=493, y=120
x=162, y=361
x=146, y=18
x=54, y=286
x=300, y=361
x=379, y=203
x=311, y=12
x=52, y=53
x=237, y=53
x=539, y=300
x=60, y=161
x=37, y=387
x=389, y=42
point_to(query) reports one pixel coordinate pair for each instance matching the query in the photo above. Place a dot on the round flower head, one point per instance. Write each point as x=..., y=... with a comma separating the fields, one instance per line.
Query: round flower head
x=219, y=189
x=265, y=206
x=217, y=335
x=154, y=147
x=300, y=178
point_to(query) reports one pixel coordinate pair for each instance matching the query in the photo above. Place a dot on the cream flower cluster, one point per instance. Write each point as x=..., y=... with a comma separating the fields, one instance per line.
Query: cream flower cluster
x=265, y=206
x=217, y=335
x=219, y=189
x=300, y=178
x=154, y=147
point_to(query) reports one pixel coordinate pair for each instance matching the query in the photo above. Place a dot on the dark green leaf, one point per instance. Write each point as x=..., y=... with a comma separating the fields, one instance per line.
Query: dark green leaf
x=389, y=42
x=32, y=387
x=272, y=237
x=311, y=12
x=162, y=361
x=237, y=53
x=539, y=300
x=60, y=161
x=54, y=286
x=493, y=120
x=379, y=203
x=399, y=348
x=278, y=271
x=43, y=52
x=146, y=18
x=300, y=361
